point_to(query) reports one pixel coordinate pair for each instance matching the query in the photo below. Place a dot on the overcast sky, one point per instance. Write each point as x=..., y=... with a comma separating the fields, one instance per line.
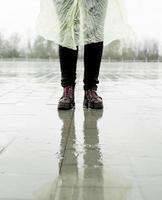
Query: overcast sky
x=20, y=15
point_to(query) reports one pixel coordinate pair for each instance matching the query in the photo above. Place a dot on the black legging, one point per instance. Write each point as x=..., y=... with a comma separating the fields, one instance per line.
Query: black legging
x=92, y=60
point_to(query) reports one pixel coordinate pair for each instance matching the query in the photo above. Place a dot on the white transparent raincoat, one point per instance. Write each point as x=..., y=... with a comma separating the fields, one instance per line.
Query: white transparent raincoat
x=78, y=22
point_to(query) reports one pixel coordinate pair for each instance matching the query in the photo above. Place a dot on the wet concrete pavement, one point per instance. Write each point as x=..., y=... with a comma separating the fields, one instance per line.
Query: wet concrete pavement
x=109, y=154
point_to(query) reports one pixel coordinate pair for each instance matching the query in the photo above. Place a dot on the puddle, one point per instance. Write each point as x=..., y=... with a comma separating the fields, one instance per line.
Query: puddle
x=89, y=179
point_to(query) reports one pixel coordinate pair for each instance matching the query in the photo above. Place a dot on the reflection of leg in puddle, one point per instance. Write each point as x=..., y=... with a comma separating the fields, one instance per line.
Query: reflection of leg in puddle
x=67, y=119
x=69, y=177
x=93, y=180
x=100, y=182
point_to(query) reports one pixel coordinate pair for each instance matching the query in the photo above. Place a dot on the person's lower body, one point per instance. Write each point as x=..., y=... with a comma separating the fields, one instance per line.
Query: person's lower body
x=68, y=63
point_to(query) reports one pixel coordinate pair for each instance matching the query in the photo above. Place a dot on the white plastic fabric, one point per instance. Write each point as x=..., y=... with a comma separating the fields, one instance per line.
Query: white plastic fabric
x=78, y=22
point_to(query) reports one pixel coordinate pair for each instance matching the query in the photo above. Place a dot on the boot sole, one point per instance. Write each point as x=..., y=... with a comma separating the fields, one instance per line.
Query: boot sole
x=87, y=104
x=66, y=106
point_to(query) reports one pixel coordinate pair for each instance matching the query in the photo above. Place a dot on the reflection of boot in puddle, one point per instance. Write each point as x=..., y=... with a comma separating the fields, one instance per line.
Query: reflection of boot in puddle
x=91, y=117
x=65, y=117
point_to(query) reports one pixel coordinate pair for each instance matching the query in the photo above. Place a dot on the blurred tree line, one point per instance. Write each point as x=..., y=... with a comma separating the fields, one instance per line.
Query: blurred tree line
x=148, y=50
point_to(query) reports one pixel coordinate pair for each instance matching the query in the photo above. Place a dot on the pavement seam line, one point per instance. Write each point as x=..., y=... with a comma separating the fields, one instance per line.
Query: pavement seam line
x=69, y=128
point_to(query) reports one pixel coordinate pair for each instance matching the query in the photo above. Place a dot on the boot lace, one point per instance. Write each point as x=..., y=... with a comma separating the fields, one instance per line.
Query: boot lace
x=93, y=94
x=68, y=92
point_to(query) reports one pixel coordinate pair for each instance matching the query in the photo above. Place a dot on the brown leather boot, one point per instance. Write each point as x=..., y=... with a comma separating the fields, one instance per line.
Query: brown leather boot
x=66, y=102
x=92, y=100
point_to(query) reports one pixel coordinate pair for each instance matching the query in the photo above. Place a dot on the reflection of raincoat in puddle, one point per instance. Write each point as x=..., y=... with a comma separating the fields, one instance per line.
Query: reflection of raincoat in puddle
x=78, y=22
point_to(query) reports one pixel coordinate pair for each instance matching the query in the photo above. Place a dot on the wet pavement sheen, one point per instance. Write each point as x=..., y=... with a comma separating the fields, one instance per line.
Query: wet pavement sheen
x=81, y=154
